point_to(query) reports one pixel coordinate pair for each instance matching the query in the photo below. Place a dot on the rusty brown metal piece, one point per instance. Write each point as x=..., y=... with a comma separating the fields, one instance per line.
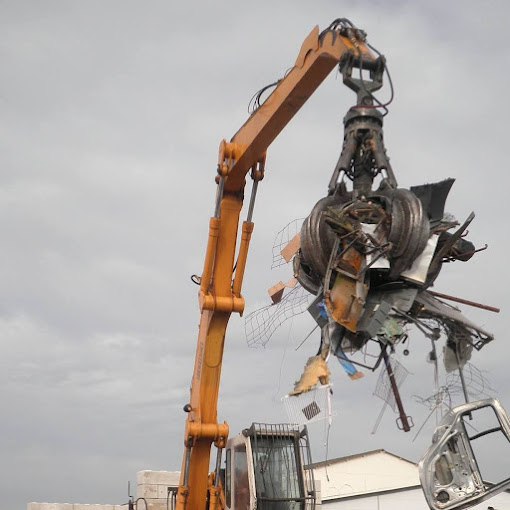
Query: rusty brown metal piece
x=402, y=414
x=343, y=303
x=465, y=301
x=345, y=299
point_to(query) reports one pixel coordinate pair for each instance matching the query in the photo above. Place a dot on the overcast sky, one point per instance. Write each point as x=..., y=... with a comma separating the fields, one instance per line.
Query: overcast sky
x=112, y=113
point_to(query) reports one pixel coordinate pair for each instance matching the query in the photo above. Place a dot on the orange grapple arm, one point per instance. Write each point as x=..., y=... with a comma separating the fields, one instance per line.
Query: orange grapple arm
x=220, y=288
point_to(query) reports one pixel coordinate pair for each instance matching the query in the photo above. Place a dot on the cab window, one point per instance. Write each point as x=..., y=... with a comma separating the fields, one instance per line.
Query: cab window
x=241, y=484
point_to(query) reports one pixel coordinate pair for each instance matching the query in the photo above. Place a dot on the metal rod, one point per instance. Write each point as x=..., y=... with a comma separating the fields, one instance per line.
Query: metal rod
x=394, y=387
x=306, y=337
x=218, y=466
x=252, y=199
x=363, y=365
x=465, y=301
x=186, y=466
x=463, y=382
x=327, y=276
x=219, y=196
x=379, y=418
x=425, y=422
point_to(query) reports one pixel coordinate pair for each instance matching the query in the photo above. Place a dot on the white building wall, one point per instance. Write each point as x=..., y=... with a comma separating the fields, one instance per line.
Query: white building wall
x=360, y=474
x=411, y=499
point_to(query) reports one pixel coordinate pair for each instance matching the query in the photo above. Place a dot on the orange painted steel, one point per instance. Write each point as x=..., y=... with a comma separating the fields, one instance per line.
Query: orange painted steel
x=315, y=61
x=220, y=290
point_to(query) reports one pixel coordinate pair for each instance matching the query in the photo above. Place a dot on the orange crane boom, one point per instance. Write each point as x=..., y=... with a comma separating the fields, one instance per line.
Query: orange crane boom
x=220, y=289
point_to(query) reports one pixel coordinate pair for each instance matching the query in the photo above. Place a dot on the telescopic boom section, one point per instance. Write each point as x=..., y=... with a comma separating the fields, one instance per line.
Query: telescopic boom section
x=220, y=290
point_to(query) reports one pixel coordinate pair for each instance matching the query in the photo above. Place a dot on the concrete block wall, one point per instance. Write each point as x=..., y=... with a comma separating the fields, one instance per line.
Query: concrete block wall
x=153, y=487
x=72, y=506
x=318, y=495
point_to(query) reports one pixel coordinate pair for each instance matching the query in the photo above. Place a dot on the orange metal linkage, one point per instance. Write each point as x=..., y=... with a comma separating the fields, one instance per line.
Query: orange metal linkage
x=220, y=290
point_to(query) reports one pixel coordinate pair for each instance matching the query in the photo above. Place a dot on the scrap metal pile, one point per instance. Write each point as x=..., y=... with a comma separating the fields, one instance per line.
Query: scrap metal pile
x=369, y=255
x=369, y=252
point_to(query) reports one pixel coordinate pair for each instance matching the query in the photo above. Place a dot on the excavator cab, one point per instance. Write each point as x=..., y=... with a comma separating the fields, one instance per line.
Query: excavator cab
x=458, y=470
x=268, y=467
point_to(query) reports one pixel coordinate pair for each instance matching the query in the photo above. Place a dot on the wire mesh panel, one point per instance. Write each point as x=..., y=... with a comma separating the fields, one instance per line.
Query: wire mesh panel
x=310, y=406
x=441, y=398
x=478, y=386
x=477, y=383
x=383, y=388
x=282, y=239
x=282, y=464
x=260, y=325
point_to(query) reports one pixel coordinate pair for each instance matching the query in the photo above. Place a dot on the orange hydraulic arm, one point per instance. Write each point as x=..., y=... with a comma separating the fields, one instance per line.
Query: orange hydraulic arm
x=220, y=289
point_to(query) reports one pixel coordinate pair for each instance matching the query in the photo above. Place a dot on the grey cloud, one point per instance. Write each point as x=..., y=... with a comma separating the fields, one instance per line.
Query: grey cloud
x=112, y=115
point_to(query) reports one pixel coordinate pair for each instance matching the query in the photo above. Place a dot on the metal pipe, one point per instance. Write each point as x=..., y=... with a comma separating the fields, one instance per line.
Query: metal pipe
x=186, y=466
x=218, y=465
x=252, y=200
x=219, y=196
x=394, y=387
x=463, y=382
x=465, y=301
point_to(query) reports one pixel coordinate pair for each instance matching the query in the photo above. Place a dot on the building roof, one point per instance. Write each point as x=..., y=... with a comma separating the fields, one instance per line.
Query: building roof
x=365, y=473
x=356, y=456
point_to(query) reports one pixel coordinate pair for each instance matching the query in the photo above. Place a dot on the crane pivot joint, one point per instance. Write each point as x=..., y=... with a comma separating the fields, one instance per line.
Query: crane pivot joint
x=212, y=431
x=221, y=303
x=228, y=153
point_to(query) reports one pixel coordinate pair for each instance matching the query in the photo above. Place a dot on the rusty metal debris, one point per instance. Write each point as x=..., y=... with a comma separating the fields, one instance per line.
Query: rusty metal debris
x=368, y=254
